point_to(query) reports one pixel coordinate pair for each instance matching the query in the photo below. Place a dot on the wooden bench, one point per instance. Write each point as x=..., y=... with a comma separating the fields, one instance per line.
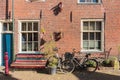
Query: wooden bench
x=29, y=61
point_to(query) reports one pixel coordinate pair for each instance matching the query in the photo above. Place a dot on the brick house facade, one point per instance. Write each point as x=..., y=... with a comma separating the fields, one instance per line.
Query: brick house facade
x=92, y=25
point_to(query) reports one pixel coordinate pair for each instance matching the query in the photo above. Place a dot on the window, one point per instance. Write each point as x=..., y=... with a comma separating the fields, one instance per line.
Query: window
x=7, y=26
x=92, y=35
x=89, y=1
x=29, y=36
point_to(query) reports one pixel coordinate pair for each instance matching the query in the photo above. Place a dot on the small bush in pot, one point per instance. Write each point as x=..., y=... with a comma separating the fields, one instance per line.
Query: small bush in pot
x=106, y=63
x=52, y=64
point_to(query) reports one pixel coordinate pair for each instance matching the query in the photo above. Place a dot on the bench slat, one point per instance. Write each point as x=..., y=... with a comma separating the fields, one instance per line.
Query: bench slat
x=29, y=61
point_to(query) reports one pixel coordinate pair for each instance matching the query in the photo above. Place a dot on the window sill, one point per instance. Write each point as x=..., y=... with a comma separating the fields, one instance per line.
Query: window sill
x=32, y=52
x=91, y=51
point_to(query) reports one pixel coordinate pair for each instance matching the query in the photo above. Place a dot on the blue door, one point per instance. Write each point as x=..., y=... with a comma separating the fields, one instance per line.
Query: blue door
x=7, y=43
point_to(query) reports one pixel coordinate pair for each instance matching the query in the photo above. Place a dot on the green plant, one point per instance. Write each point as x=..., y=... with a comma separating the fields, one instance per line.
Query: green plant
x=106, y=62
x=113, y=59
x=53, y=62
x=48, y=48
x=109, y=62
x=91, y=63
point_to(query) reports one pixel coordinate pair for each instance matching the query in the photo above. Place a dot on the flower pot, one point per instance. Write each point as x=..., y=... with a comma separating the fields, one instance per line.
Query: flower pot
x=52, y=71
x=90, y=69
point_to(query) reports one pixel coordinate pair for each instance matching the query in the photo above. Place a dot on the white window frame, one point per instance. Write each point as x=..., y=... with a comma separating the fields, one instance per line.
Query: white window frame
x=99, y=2
x=20, y=36
x=8, y=27
x=102, y=35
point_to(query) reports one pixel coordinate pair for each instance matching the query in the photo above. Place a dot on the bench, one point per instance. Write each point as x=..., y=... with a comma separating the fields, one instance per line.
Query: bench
x=29, y=61
x=102, y=55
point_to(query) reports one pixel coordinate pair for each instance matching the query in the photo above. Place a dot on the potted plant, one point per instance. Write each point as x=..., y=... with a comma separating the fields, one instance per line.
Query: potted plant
x=90, y=65
x=52, y=60
x=106, y=63
x=52, y=64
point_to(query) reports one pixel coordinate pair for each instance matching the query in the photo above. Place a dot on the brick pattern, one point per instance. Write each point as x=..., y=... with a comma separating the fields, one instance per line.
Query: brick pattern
x=71, y=30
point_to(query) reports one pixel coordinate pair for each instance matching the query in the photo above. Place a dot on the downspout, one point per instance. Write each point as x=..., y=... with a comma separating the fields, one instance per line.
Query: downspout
x=13, y=28
x=6, y=12
x=40, y=16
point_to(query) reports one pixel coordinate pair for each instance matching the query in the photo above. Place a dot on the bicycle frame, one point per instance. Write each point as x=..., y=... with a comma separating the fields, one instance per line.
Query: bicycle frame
x=81, y=61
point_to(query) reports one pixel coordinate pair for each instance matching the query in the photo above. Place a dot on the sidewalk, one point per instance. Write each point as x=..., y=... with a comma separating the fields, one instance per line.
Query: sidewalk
x=28, y=74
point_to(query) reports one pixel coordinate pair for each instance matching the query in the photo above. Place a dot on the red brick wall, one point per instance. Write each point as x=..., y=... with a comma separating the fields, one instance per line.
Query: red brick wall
x=112, y=26
x=2, y=9
x=71, y=30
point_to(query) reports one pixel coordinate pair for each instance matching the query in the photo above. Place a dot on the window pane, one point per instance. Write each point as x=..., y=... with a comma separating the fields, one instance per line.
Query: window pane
x=10, y=27
x=85, y=35
x=5, y=27
x=92, y=36
x=92, y=44
x=29, y=46
x=92, y=25
x=95, y=1
x=35, y=36
x=85, y=26
x=29, y=36
x=98, y=44
x=82, y=0
x=29, y=26
x=24, y=37
x=24, y=46
x=85, y=44
x=35, y=46
x=88, y=0
x=98, y=25
x=23, y=26
x=98, y=36
x=35, y=26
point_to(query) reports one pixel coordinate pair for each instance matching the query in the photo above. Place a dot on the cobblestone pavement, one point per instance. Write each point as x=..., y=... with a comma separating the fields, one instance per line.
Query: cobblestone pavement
x=42, y=74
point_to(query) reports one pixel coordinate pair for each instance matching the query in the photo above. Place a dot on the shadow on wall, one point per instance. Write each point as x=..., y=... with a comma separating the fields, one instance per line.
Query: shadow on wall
x=57, y=9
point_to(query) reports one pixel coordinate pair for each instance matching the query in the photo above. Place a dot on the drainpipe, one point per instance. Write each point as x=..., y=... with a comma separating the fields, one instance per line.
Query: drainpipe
x=13, y=27
x=6, y=12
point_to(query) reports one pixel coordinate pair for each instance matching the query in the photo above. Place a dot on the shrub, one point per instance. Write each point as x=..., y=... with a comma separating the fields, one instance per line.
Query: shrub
x=106, y=62
x=109, y=62
x=53, y=62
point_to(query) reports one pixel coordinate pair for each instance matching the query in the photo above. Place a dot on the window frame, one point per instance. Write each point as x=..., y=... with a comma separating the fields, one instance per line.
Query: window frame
x=7, y=31
x=20, y=35
x=99, y=2
x=102, y=35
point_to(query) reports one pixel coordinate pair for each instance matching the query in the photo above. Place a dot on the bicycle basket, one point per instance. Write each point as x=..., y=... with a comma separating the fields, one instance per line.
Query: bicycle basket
x=68, y=55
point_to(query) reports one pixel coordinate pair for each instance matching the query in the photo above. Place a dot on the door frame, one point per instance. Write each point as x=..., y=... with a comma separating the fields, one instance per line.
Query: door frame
x=1, y=56
x=1, y=33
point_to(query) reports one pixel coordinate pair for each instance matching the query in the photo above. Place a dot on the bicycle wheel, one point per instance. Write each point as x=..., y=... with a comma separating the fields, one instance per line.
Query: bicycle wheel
x=90, y=65
x=67, y=66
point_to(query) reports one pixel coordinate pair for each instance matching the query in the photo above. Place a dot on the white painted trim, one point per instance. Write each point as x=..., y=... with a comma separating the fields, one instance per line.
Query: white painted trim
x=1, y=44
x=19, y=41
x=102, y=36
x=19, y=34
x=1, y=32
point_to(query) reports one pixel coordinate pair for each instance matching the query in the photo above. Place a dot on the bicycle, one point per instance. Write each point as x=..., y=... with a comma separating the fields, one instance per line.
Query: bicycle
x=71, y=62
